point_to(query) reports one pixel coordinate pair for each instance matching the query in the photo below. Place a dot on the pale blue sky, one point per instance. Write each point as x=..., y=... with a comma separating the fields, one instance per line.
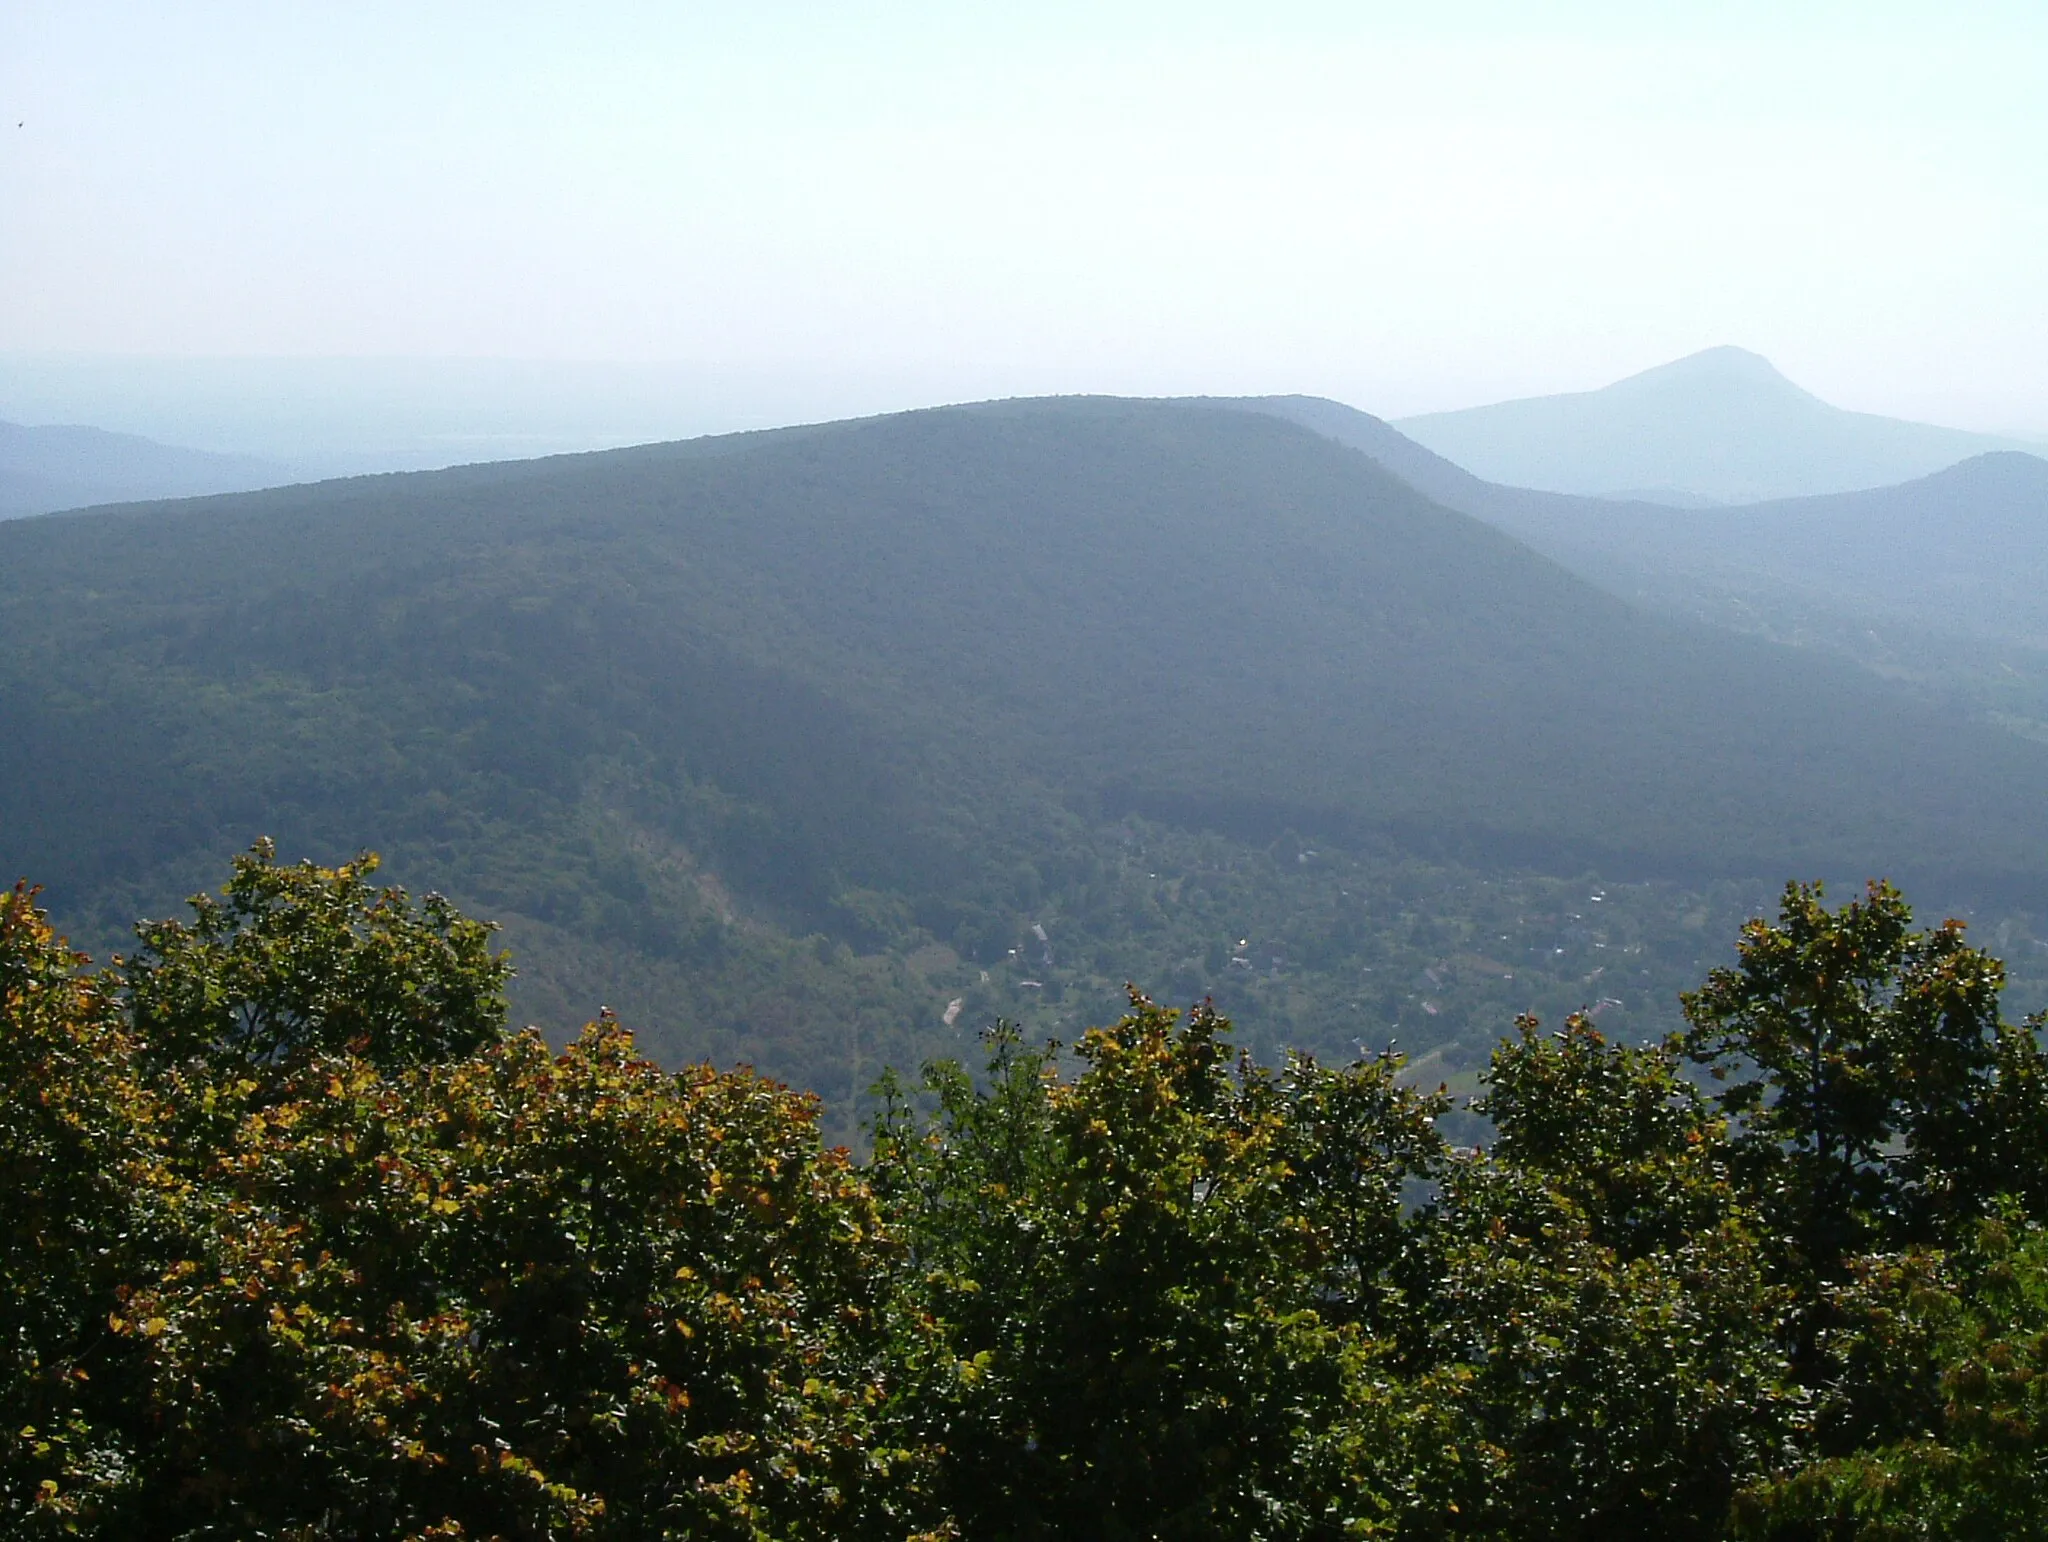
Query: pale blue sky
x=843, y=207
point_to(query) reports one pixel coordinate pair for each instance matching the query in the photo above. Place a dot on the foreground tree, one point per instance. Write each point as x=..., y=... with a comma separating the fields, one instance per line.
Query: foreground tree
x=1593, y=1303
x=1159, y=1279
x=1890, y=1130
x=79, y=1164
x=1875, y=1096
x=298, y=1240
x=303, y=1242
x=1939, y=1415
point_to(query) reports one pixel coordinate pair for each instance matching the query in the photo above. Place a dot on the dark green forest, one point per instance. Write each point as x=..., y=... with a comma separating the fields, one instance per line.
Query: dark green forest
x=300, y=1239
x=819, y=749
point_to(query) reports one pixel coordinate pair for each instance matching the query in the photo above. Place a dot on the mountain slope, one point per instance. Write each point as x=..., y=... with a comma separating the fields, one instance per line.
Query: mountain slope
x=1721, y=426
x=1158, y=606
x=1003, y=691
x=1964, y=550
x=70, y=467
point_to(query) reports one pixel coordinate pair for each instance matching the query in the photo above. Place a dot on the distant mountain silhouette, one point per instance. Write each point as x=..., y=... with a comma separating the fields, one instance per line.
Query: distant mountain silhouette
x=68, y=466
x=1941, y=582
x=1963, y=551
x=1722, y=426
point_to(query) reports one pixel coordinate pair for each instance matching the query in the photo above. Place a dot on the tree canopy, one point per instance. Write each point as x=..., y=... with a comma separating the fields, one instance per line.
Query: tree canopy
x=300, y=1238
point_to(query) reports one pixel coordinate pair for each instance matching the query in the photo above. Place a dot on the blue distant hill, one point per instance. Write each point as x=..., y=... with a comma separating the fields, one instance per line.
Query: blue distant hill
x=66, y=466
x=1722, y=426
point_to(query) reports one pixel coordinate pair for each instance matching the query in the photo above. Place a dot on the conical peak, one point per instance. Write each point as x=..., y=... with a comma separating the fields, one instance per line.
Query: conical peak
x=1725, y=366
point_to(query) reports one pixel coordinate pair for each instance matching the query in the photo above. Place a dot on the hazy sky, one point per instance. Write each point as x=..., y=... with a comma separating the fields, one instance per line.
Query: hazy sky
x=863, y=205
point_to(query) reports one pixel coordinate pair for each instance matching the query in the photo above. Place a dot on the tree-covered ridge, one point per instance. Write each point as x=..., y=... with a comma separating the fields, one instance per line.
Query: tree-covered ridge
x=299, y=1239
x=778, y=743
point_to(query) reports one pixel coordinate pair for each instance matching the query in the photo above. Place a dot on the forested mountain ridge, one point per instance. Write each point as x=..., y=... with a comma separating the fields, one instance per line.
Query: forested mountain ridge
x=1935, y=582
x=1962, y=551
x=829, y=725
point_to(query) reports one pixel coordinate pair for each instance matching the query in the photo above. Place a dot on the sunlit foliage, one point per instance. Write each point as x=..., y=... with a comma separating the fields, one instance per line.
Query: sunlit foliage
x=301, y=1242
x=299, y=1239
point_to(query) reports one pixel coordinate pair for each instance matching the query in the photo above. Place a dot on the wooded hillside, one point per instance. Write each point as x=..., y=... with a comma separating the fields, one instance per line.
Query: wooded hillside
x=830, y=725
